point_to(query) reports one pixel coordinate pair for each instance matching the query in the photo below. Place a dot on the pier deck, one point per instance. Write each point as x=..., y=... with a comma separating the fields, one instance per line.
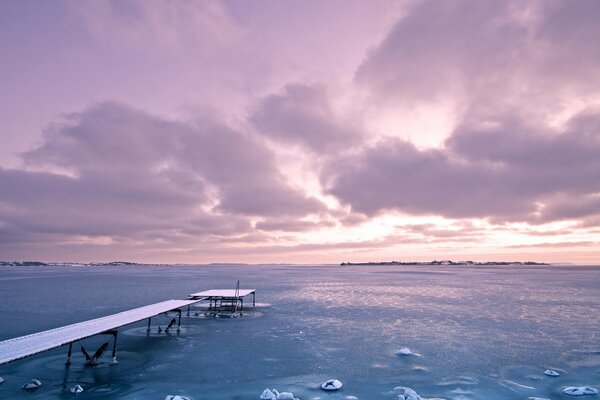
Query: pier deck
x=25, y=346
x=227, y=301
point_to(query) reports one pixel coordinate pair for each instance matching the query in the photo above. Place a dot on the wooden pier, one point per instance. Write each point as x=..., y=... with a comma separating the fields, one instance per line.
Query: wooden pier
x=227, y=301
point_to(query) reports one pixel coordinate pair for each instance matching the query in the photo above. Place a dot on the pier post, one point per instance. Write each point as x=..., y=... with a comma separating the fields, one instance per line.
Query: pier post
x=179, y=321
x=68, y=362
x=114, y=351
x=149, y=321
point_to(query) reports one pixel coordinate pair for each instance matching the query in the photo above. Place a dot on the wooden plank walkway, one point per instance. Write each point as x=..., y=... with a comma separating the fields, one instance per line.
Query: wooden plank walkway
x=25, y=346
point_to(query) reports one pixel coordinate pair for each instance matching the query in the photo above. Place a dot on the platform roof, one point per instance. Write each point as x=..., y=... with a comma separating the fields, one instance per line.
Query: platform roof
x=222, y=293
x=24, y=346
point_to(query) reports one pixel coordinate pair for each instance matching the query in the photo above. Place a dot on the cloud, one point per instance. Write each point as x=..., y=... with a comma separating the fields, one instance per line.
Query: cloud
x=508, y=171
x=489, y=56
x=292, y=225
x=167, y=25
x=129, y=174
x=303, y=115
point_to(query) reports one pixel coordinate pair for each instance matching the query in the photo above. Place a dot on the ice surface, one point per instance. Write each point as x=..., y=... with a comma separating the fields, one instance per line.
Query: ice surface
x=477, y=328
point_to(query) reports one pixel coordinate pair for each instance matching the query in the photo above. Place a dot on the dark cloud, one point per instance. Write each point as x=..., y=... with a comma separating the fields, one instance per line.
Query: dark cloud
x=488, y=54
x=438, y=44
x=507, y=172
x=303, y=115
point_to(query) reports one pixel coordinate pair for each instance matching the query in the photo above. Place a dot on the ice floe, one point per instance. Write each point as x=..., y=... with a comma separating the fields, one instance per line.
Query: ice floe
x=404, y=351
x=407, y=393
x=32, y=384
x=176, y=397
x=267, y=394
x=580, y=391
x=332, y=384
x=537, y=398
x=551, y=372
x=76, y=389
x=284, y=395
x=1, y=379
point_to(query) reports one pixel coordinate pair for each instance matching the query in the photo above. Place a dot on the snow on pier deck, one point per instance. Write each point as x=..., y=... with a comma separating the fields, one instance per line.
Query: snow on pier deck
x=24, y=346
x=224, y=293
x=225, y=300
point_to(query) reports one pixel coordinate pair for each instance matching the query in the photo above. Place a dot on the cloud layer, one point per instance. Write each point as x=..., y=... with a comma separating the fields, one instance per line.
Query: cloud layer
x=298, y=160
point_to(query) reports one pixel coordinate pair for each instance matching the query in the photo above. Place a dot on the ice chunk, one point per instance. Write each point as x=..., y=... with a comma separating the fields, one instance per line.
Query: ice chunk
x=332, y=384
x=551, y=372
x=76, y=389
x=176, y=397
x=1, y=379
x=580, y=391
x=32, y=384
x=537, y=398
x=268, y=395
x=407, y=394
x=404, y=351
x=286, y=396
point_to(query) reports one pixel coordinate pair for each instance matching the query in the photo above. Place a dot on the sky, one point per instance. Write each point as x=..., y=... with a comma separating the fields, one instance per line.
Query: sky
x=300, y=131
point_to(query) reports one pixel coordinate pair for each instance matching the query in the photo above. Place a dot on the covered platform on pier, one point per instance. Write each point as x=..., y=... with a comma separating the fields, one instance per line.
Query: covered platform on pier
x=225, y=300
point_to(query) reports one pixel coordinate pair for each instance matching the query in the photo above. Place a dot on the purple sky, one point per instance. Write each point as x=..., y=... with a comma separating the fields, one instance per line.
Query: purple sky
x=295, y=131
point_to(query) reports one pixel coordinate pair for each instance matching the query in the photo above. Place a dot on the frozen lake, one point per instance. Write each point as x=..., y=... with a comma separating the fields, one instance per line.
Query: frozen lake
x=477, y=332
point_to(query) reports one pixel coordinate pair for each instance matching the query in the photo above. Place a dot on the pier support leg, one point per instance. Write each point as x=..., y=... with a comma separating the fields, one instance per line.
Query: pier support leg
x=149, y=321
x=66, y=375
x=179, y=321
x=253, y=299
x=114, y=351
x=188, y=313
x=242, y=306
x=68, y=362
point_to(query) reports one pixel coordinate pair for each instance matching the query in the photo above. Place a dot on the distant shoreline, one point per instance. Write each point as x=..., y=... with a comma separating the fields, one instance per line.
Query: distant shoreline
x=443, y=262
x=343, y=264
